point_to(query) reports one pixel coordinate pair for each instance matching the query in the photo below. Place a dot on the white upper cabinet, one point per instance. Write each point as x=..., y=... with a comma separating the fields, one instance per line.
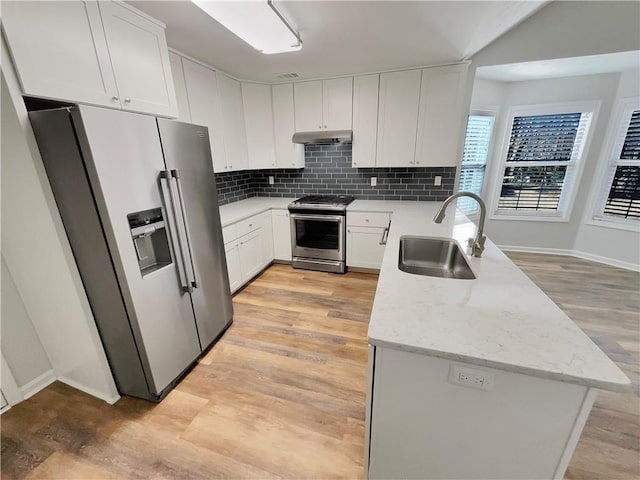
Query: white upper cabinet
x=182, y=99
x=442, y=115
x=258, y=119
x=100, y=53
x=288, y=154
x=202, y=92
x=398, y=118
x=140, y=60
x=233, y=128
x=60, y=51
x=365, y=120
x=337, y=103
x=308, y=106
x=323, y=104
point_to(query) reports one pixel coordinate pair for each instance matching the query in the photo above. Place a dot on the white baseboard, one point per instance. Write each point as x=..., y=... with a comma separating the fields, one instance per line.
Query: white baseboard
x=34, y=386
x=90, y=391
x=573, y=253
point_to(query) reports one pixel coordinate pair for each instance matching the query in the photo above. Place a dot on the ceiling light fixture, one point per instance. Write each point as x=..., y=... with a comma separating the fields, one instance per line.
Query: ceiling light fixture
x=259, y=23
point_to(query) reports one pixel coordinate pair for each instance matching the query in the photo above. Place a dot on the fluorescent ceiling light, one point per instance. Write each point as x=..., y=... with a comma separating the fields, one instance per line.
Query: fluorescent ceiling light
x=258, y=23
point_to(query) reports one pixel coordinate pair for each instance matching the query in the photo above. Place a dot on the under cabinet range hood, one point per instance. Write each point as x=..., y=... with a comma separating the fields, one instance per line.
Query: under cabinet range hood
x=323, y=137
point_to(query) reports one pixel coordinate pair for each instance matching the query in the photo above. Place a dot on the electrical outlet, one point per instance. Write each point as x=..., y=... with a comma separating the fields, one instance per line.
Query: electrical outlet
x=374, y=181
x=271, y=180
x=469, y=377
x=437, y=180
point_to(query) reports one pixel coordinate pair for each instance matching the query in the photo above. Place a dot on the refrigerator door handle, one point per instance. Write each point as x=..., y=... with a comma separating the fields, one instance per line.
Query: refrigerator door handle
x=165, y=178
x=176, y=174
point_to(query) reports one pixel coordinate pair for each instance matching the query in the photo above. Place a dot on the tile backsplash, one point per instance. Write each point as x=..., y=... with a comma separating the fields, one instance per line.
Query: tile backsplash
x=328, y=171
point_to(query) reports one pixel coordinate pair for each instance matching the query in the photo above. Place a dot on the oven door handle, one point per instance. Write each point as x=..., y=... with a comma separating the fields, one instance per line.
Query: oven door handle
x=321, y=218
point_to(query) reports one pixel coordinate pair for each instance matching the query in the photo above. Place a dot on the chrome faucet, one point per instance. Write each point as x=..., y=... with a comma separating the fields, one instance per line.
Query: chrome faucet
x=476, y=245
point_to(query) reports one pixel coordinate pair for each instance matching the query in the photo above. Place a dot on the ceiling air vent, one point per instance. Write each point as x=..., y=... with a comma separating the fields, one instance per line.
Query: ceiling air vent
x=287, y=76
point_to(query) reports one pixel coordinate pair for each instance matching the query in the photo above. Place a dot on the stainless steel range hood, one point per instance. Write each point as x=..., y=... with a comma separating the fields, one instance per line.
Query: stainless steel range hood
x=323, y=137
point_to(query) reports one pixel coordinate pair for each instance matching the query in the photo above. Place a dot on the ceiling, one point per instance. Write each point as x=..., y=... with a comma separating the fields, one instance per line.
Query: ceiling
x=562, y=67
x=346, y=37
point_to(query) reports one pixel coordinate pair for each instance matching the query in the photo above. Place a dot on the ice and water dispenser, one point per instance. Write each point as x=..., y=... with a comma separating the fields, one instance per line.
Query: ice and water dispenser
x=150, y=240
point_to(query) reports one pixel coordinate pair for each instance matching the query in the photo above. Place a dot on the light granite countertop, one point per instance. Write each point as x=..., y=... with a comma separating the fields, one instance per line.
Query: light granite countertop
x=499, y=320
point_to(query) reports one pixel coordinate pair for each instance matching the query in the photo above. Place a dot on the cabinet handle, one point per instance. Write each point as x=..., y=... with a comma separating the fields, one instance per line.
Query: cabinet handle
x=115, y=98
x=294, y=164
x=385, y=235
x=348, y=231
x=127, y=100
x=319, y=126
x=250, y=225
x=417, y=163
x=366, y=220
x=325, y=126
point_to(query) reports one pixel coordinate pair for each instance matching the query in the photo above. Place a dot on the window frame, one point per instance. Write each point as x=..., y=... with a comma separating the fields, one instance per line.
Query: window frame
x=592, y=107
x=609, y=157
x=485, y=112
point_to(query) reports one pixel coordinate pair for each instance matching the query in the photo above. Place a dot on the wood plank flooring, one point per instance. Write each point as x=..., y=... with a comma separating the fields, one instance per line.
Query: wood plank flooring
x=282, y=393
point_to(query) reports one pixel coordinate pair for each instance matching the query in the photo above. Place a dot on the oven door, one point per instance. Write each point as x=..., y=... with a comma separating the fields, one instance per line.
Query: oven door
x=317, y=236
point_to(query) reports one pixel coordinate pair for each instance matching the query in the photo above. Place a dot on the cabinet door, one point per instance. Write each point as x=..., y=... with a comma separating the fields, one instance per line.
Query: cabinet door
x=288, y=154
x=250, y=248
x=398, y=118
x=267, y=238
x=337, y=104
x=442, y=116
x=233, y=129
x=258, y=120
x=60, y=51
x=308, y=106
x=281, y=235
x=182, y=99
x=140, y=60
x=202, y=92
x=233, y=265
x=363, y=247
x=365, y=120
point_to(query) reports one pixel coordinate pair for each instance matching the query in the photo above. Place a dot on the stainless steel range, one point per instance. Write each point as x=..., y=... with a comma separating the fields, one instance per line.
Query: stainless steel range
x=318, y=234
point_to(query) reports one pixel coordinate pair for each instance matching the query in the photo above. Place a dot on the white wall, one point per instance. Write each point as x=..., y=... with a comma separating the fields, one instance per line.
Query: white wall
x=39, y=258
x=21, y=346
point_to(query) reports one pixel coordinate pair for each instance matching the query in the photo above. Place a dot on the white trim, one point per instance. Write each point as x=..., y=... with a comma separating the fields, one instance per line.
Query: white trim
x=29, y=389
x=573, y=253
x=591, y=106
x=90, y=391
x=615, y=223
x=9, y=386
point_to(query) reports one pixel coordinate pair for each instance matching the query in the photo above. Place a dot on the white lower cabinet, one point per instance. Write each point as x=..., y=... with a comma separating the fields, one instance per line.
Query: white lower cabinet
x=366, y=237
x=281, y=235
x=233, y=265
x=267, y=237
x=363, y=247
x=250, y=248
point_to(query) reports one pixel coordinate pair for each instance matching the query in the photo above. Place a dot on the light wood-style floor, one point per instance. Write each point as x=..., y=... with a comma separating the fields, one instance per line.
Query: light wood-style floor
x=282, y=394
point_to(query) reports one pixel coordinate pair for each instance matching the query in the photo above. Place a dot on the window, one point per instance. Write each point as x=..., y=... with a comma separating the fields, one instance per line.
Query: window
x=619, y=200
x=474, y=158
x=542, y=158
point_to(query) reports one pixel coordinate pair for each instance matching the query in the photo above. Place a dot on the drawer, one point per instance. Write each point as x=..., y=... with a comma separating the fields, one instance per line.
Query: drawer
x=249, y=225
x=368, y=219
x=229, y=233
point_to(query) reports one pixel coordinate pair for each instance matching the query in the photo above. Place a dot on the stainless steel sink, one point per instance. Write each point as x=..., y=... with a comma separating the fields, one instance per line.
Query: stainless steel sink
x=433, y=257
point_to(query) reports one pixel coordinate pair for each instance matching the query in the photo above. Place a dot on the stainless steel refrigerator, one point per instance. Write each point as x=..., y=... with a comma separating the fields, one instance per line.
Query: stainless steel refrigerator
x=138, y=200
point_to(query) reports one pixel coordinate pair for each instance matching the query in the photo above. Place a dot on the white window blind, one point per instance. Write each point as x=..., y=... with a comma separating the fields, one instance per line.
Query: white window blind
x=474, y=158
x=619, y=199
x=541, y=157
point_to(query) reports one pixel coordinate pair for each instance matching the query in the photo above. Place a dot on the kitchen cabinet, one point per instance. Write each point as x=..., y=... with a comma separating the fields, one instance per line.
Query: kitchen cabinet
x=267, y=237
x=140, y=60
x=399, y=99
x=288, y=154
x=324, y=104
x=365, y=233
x=258, y=120
x=60, y=51
x=250, y=249
x=281, y=235
x=233, y=265
x=442, y=116
x=182, y=99
x=232, y=120
x=100, y=53
x=202, y=91
x=365, y=120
